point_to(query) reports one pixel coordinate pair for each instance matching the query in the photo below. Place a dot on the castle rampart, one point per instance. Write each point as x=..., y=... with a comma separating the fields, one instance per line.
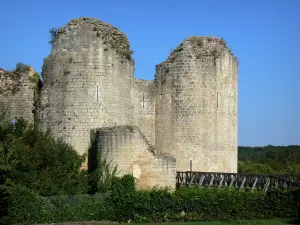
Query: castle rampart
x=144, y=107
x=18, y=92
x=127, y=147
x=196, y=105
x=188, y=113
x=88, y=81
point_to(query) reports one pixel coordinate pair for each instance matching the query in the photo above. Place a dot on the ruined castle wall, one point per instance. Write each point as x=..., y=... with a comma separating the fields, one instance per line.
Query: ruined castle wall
x=227, y=90
x=127, y=147
x=87, y=83
x=163, y=110
x=201, y=106
x=144, y=107
x=17, y=91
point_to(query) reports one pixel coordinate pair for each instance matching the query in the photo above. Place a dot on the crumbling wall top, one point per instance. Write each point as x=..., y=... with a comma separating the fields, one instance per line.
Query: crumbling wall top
x=123, y=129
x=109, y=34
x=200, y=46
x=10, y=81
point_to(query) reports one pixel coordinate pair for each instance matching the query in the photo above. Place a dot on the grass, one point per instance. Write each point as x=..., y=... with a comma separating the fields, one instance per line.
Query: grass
x=233, y=222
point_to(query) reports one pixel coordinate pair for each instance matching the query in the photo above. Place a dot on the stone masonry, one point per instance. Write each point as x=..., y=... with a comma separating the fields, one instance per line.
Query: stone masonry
x=196, y=106
x=18, y=93
x=185, y=119
x=127, y=147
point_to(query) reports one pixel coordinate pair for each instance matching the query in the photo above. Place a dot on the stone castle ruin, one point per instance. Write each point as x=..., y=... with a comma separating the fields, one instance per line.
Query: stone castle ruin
x=185, y=119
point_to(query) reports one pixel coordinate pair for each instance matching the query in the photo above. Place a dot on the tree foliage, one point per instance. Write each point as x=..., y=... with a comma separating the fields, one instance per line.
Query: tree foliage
x=270, y=160
x=34, y=159
x=125, y=204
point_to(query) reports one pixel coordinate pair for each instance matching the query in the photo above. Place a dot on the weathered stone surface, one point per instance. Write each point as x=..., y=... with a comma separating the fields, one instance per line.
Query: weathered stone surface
x=88, y=83
x=196, y=106
x=189, y=112
x=127, y=147
x=18, y=93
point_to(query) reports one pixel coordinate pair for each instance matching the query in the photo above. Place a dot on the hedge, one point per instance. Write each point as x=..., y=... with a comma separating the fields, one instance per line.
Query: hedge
x=25, y=207
x=124, y=203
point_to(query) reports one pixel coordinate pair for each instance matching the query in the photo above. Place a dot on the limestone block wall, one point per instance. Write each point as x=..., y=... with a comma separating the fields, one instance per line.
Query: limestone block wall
x=17, y=94
x=127, y=147
x=88, y=81
x=163, y=110
x=227, y=111
x=196, y=105
x=144, y=108
x=189, y=112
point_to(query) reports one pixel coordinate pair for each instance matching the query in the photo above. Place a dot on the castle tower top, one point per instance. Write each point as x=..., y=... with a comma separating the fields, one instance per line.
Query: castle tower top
x=201, y=46
x=110, y=35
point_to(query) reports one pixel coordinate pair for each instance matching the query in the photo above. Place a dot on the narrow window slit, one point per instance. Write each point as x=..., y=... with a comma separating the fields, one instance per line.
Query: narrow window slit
x=97, y=94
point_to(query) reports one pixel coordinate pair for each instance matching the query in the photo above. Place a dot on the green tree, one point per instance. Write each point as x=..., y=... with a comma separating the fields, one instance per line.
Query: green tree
x=36, y=160
x=254, y=168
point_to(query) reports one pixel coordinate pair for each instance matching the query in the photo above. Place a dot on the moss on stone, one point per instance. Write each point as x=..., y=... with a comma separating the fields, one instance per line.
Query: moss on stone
x=35, y=78
x=21, y=67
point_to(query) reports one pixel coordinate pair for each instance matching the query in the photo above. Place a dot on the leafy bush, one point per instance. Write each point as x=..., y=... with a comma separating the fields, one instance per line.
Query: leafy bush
x=34, y=159
x=124, y=203
x=188, y=204
x=28, y=208
x=25, y=207
x=101, y=177
x=122, y=197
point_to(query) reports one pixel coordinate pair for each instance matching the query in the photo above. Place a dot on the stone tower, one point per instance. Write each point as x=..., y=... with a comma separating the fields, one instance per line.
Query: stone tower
x=19, y=92
x=184, y=119
x=196, y=106
x=88, y=79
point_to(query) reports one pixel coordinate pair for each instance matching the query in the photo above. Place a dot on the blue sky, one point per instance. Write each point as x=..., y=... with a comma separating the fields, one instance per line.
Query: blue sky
x=264, y=34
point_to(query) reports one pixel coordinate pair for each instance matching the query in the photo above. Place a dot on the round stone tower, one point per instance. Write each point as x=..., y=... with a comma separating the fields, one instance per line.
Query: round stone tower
x=196, y=106
x=87, y=81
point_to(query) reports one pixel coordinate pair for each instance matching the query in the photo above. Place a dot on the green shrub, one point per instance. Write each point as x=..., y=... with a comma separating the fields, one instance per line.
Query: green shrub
x=34, y=159
x=124, y=203
x=153, y=205
x=27, y=208
x=122, y=197
x=188, y=204
x=101, y=177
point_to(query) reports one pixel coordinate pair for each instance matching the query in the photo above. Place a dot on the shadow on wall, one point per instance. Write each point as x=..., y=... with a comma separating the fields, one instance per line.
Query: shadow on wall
x=93, y=164
x=93, y=152
x=127, y=148
x=101, y=171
